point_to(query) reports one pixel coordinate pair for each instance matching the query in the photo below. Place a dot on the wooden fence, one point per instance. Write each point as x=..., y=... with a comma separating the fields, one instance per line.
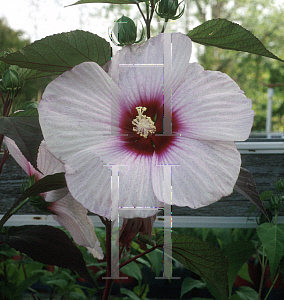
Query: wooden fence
x=264, y=158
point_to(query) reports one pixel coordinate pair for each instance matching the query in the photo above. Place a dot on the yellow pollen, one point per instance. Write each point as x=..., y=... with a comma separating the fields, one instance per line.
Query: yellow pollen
x=143, y=124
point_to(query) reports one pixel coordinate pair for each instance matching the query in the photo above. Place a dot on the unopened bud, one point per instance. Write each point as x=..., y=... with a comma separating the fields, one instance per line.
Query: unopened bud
x=279, y=185
x=125, y=32
x=275, y=202
x=167, y=9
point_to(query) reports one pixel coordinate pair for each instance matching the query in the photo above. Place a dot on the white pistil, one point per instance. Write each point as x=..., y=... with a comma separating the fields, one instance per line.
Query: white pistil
x=143, y=124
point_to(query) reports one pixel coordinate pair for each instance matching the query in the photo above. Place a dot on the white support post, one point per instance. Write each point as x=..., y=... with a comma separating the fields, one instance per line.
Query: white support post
x=270, y=93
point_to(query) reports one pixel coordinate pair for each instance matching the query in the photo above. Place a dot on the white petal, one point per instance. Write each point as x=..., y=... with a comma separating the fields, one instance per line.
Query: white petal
x=90, y=182
x=73, y=217
x=138, y=70
x=47, y=163
x=20, y=158
x=210, y=106
x=77, y=110
x=207, y=171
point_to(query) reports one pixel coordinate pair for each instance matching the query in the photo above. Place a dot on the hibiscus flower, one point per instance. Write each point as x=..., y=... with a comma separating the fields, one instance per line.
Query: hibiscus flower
x=92, y=119
x=69, y=213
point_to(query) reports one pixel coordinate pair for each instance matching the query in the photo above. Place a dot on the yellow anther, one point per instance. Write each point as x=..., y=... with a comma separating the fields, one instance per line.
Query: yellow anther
x=143, y=124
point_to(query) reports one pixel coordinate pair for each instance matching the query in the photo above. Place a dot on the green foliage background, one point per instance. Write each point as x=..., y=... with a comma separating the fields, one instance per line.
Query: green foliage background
x=11, y=41
x=248, y=70
x=251, y=72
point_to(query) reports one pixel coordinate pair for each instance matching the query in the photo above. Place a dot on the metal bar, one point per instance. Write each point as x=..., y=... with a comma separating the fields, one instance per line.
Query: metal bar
x=178, y=221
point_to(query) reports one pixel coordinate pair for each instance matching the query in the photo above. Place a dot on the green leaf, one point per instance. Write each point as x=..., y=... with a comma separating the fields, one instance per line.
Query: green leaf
x=244, y=273
x=33, y=74
x=58, y=282
x=129, y=293
x=104, y=1
x=61, y=52
x=132, y=270
x=272, y=239
x=25, y=284
x=189, y=283
x=224, y=34
x=201, y=258
x=237, y=253
x=156, y=258
x=247, y=293
x=265, y=195
x=23, y=127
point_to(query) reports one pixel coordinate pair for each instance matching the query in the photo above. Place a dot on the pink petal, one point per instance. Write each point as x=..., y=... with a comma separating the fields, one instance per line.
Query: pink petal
x=211, y=106
x=90, y=182
x=77, y=110
x=73, y=217
x=130, y=72
x=20, y=158
x=207, y=171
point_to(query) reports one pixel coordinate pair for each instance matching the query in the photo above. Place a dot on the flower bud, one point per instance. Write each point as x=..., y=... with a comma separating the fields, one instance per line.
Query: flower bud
x=125, y=32
x=167, y=9
x=39, y=203
x=279, y=185
x=275, y=202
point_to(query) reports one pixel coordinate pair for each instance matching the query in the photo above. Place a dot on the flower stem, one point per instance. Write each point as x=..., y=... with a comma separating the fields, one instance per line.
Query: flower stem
x=17, y=205
x=20, y=205
x=165, y=25
x=109, y=281
x=141, y=12
x=137, y=256
x=276, y=215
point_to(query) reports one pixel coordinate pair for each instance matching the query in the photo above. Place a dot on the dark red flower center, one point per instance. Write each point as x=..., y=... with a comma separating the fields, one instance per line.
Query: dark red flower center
x=154, y=142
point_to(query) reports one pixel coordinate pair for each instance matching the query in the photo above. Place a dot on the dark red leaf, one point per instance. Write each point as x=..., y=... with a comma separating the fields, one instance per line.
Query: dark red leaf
x=48, y=245
x=246, y=186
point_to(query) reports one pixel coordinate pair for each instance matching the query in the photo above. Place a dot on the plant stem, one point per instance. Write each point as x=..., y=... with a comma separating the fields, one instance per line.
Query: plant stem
x=9, y=213
x=5, y=156
x=137, y=256
x=165, y=25
x=147, y=22
x=109, y=281
x=276, y=215
x=20, y=205
x=274, y=281
x=264, y=263
x=141, y=12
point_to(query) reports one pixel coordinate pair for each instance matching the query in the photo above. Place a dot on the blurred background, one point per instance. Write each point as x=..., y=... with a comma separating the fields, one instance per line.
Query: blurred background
x=24, y=21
